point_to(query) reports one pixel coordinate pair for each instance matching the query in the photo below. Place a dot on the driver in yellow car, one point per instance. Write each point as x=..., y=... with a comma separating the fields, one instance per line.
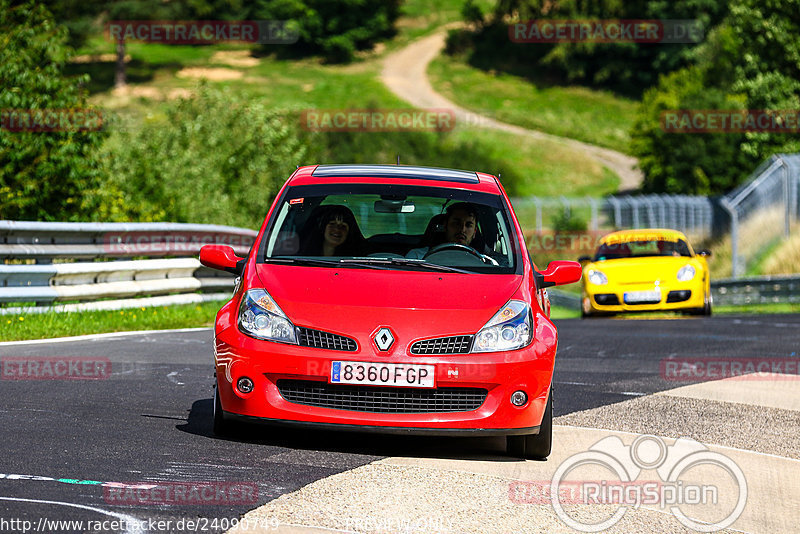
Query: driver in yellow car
x=460, y=227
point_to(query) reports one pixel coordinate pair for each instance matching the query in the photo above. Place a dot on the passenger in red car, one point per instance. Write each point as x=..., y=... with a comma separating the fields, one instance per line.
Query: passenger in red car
x=337, y=234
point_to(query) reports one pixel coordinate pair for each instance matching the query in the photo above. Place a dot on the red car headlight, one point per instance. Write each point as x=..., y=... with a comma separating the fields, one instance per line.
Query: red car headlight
x=261, y=317
x=509, y=329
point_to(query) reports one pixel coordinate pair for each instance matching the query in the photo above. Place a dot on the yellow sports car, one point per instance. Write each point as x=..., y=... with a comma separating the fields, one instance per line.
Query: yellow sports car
x=645, y=270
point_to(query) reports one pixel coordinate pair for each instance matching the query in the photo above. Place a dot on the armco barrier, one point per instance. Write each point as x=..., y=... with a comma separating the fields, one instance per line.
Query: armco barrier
x=179, y=279
x=756, y=290
x=44, y=241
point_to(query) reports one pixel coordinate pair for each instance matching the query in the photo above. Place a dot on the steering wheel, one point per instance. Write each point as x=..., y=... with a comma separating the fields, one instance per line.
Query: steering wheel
x=464, y=248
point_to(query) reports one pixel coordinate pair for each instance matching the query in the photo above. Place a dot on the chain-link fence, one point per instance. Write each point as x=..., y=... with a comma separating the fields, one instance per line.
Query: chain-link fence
x=692, y=215
x=757, y=216
x=762, y=211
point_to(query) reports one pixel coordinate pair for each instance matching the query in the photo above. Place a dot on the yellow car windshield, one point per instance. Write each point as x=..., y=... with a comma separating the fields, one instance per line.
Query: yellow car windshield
x=644, y=248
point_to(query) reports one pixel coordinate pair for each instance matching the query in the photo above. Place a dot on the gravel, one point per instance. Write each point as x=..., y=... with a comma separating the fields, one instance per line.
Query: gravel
x=383, y=498
x=767, y=430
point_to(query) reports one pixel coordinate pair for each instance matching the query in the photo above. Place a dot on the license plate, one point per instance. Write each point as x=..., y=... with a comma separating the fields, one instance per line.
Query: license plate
x=633, y=297
x=383, y=374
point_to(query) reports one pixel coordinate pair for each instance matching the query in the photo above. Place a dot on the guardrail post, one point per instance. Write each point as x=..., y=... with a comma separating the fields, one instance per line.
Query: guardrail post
x=787, y=222
x=735, y=271
x=538, y=203
x=593, y=204
x=615, y=205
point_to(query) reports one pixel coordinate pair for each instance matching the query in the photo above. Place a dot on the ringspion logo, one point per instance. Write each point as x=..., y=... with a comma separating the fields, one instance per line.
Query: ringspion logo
x=690, y=477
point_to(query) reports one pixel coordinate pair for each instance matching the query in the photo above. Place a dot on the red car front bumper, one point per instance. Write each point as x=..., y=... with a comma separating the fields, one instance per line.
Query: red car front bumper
x=500, y=374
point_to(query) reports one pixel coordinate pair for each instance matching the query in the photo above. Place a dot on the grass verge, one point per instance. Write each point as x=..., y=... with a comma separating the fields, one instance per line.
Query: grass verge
x=53, y=324
x=592, y=116
x=752, y=309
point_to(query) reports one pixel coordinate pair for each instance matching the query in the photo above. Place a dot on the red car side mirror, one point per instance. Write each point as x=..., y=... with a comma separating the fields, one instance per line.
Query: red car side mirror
x=223, y=258
x=559, y=273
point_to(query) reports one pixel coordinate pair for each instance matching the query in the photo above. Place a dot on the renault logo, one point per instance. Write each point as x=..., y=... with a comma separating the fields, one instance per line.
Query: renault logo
x=383, y=339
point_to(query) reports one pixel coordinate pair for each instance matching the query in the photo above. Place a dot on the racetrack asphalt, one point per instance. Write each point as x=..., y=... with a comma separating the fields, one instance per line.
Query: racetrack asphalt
x=149, y=421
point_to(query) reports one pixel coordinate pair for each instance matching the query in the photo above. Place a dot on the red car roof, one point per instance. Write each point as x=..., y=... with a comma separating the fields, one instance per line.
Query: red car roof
x=394, y=174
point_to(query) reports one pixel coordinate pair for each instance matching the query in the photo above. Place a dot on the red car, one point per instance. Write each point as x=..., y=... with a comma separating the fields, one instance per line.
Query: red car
x=395, y=299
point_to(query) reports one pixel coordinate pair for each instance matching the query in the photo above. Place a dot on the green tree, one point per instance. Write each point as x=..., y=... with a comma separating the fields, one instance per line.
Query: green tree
x=767, y=69
x=751, y=61
x=335, y=29
x=686, y=163
x=628, y=68
x=44, y=175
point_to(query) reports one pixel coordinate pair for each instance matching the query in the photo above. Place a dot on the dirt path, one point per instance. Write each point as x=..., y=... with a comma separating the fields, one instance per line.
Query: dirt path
x=404, y=73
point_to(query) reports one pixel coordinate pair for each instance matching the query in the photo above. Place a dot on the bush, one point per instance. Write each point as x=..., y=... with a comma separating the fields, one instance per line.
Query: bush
x=211, y=158
x=567, y=221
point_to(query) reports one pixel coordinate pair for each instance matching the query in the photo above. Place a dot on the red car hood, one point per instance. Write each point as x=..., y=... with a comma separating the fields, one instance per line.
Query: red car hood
x=415, y=305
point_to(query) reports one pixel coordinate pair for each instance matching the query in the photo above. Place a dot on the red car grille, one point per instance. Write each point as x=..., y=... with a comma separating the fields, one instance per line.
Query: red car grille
x=443, y=345
x=306, y=337
x=381, y=399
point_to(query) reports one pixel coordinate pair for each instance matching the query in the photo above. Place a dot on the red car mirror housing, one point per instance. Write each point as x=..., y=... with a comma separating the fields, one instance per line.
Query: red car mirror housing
x=222, y=258
x=558, y=273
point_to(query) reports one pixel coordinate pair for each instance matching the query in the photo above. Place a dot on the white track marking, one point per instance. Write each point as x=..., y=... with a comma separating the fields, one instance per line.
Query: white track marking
x=100, y=336
x=131, y=522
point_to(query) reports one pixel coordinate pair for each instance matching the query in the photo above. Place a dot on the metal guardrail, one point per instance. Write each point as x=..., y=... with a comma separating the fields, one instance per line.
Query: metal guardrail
x=28, y=274
x=44, y=241
x=756, y=290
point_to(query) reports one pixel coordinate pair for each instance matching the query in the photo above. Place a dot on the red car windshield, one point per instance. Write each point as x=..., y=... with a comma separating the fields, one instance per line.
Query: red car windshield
x=392, y=227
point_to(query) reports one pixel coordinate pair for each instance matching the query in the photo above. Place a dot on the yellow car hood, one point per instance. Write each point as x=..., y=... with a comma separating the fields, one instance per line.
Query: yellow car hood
x=645, y=269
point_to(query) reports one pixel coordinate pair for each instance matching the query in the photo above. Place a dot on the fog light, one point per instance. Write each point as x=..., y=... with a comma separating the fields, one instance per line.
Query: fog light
x=244, y=384
x=519, y=398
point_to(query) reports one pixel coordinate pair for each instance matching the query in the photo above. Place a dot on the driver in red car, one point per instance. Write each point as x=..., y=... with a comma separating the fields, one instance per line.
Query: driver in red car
x=460, y=226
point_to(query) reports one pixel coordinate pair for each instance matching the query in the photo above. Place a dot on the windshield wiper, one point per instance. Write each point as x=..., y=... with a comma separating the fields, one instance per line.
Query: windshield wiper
x=321, y=262
x=406, y=262
x=318, y=262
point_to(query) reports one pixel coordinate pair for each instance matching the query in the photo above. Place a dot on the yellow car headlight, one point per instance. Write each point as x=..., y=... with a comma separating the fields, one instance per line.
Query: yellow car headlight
x=598, y=278
x=686, y=273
